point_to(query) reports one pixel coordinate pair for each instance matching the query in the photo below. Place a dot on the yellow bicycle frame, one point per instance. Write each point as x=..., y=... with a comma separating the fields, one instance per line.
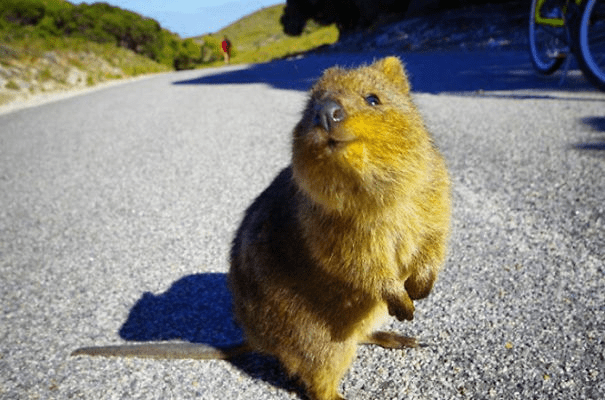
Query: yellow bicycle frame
x=556, y=22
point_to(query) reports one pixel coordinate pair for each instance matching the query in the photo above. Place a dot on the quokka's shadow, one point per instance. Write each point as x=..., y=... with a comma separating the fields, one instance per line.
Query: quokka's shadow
x=197, y=309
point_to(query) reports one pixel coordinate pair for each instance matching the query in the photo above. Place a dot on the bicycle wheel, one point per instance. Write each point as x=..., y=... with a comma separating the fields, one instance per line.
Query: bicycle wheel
x=547, y=44
x=591, y=43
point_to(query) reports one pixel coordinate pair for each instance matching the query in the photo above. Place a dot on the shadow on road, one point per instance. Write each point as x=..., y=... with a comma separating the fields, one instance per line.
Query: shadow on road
x=197, y=309
x=597, y=124
x=429, y=72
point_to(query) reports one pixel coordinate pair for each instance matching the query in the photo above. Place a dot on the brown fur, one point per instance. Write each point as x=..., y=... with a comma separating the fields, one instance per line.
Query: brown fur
x=354, y=230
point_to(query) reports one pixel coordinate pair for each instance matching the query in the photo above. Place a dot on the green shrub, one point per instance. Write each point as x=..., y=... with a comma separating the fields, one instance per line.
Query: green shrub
x=47, y=27
x=211, y=49
x=22, y=12
x=45, y=75
x=12, y=85
x=188, y=55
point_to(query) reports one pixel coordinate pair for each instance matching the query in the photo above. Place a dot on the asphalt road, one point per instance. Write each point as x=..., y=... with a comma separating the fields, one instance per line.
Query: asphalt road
x=117, y=208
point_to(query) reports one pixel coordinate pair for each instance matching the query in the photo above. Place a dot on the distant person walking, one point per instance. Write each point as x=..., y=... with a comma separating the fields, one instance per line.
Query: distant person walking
x=226, y=44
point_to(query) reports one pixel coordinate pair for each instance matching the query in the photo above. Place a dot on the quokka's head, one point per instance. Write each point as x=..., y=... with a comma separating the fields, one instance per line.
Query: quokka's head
x=360, y=137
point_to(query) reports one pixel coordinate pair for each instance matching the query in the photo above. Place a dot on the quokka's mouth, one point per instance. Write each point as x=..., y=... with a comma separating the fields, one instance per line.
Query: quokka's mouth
x=335, y=143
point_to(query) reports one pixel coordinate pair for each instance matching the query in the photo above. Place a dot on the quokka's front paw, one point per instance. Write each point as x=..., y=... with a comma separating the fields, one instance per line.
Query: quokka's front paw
x=401, y=307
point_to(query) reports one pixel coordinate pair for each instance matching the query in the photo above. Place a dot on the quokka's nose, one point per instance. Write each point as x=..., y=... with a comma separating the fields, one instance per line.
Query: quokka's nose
x=328, y=113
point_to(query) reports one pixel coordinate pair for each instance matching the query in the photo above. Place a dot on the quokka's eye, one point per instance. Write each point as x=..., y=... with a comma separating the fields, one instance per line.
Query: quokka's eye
x=372, y=100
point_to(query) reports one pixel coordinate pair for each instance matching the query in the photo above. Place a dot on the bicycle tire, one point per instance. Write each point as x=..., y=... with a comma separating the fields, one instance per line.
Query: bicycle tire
x=591, y=47
x=540, y=45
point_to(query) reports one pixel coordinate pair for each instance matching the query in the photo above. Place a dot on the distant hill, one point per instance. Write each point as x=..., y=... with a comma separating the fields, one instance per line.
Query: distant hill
x=50, y=45
x=259, y=37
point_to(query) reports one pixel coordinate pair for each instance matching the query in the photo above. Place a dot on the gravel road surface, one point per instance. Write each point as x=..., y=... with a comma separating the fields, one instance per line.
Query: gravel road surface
x=117, y=208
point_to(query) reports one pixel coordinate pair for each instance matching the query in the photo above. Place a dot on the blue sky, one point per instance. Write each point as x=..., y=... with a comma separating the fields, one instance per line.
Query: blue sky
x=191, y=17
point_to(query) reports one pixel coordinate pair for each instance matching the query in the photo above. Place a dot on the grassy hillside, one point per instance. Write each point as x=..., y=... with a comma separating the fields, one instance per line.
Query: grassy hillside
x=50, y=45
x=258, y=37
x=23, y=21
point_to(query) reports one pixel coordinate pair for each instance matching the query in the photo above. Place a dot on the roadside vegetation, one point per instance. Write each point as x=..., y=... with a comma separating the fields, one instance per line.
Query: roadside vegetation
x=44, y=25
x=50, y=45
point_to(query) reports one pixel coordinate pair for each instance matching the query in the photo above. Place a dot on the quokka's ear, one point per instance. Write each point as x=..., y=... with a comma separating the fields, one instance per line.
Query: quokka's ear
x=394, y=71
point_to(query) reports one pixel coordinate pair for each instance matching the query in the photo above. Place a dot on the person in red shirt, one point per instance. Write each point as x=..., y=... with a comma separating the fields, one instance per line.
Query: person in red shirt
x=226, y=45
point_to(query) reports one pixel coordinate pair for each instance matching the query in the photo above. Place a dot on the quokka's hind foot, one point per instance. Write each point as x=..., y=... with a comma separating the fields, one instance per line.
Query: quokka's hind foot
x=391, y=340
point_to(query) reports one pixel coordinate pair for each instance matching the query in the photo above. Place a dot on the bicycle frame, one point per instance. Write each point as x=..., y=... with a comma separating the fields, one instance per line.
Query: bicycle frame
x=554, y=22
x=559, y=29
